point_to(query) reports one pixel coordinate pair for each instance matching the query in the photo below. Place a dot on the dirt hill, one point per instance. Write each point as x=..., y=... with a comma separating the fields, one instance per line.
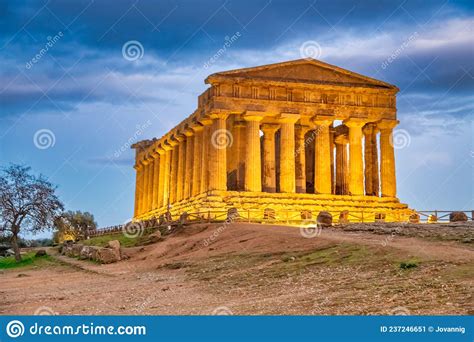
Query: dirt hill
x=262, y=269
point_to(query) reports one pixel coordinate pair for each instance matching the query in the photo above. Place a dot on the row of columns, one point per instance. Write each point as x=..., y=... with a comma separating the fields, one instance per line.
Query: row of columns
x=192, y=162
x=351, y=175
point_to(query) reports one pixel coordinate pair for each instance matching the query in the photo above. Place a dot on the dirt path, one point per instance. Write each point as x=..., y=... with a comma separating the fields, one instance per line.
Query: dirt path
x=254, y=269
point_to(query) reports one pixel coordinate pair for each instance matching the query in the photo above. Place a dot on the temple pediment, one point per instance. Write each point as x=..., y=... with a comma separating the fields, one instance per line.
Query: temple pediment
x=302, y=71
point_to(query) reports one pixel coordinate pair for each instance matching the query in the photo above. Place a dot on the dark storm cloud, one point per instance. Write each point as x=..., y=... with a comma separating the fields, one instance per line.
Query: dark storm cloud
x=166, y=26
x=86, y=64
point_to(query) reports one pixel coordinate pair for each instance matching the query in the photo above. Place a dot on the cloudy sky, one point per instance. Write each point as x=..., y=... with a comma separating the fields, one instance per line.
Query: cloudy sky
x=73, y=97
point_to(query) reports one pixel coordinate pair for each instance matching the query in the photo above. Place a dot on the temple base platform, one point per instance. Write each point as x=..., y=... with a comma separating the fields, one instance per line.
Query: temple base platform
x=283, y=207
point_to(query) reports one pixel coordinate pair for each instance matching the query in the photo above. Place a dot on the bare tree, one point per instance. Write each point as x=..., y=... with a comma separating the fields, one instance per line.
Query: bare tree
x=27, y=203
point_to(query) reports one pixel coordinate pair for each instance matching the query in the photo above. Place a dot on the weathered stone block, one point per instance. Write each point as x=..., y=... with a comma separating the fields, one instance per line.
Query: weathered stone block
x=306, y=215
x=88, y=252
x=415, y=218
x=40, y=253
x=76, y=249
x=380, y=217
x=232, y=214
x=344, y=216
x=107, y=255
x=269, y=214
x=114, y=244
x=324, y=218
x=458, y=216
x=183, y=218
x=155, y=237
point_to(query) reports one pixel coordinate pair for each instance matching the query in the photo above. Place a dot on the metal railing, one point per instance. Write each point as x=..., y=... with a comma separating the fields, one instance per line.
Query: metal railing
x=287, y=217
x=443, y=215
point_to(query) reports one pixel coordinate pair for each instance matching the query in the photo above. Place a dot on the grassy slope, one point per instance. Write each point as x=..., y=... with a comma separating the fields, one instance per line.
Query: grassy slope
x=28, y=259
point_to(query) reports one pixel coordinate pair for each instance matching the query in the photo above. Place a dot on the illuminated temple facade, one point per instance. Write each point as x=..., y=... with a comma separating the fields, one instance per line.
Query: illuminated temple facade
x=291, y=138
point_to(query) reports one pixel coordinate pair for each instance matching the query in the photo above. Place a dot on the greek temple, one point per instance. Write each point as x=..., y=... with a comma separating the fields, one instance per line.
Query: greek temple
x=291, y=139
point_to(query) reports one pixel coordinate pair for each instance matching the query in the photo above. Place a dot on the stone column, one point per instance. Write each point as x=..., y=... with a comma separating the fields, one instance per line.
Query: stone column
x=188, y=169
x=356, y=166
x=300, y=158
x=322, y=160
x=156, y=179
x=197, y=169
x=331, y=154
x=387, y=158
x=253, y=164
x=161, y=179
x=241, y=152
x=167, y=174
x=173, y=170
x=371, y=160
x=146, y=178
x=217, y=148
x=181, y=164
x=269, y=158
x=341, y=165
x=287, y=152
x=142, y=188
x=138, y=187
x=205, y=160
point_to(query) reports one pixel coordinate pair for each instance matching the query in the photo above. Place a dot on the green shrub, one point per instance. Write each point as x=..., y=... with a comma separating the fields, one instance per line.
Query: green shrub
x=407, y=265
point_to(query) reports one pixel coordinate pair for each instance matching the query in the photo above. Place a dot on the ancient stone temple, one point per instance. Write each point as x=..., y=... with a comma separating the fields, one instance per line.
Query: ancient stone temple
x=281, y=141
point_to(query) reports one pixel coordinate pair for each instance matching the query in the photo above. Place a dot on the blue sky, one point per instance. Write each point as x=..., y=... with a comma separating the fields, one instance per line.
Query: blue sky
x=71, y=108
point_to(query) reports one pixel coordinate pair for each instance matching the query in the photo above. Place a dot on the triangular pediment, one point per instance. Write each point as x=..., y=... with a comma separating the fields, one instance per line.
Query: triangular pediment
x=304, y=71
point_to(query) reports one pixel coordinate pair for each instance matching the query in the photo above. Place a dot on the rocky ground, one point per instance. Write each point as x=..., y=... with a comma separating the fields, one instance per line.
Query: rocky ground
x=261, y=269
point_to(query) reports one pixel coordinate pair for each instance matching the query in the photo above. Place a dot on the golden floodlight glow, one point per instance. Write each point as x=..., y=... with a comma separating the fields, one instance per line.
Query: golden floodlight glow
x=263, y=143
